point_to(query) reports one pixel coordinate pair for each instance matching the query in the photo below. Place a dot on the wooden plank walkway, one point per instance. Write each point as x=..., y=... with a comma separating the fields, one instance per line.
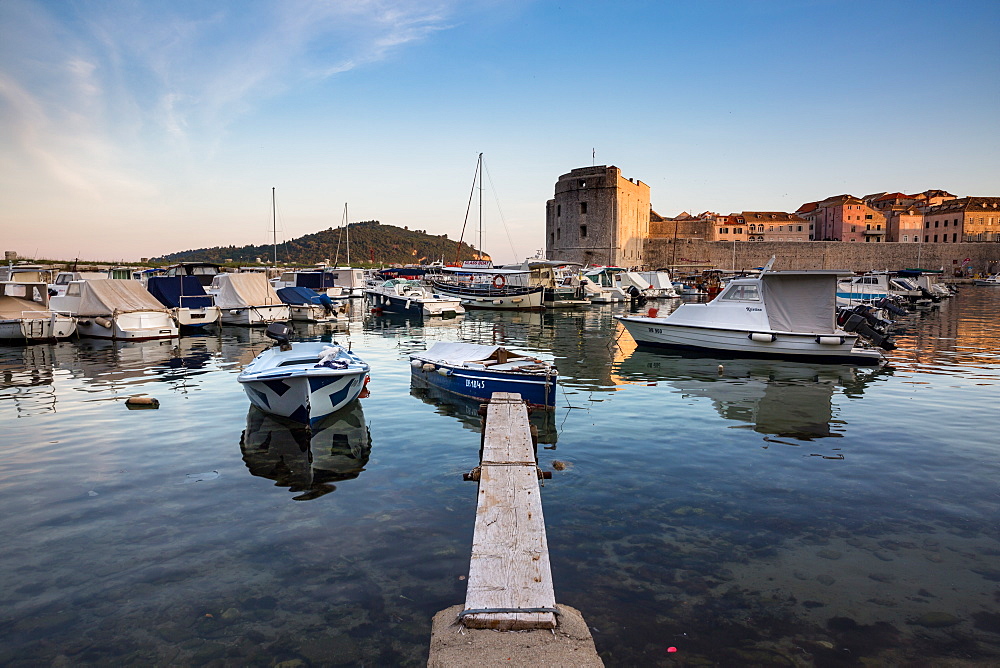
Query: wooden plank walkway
x=510, y=555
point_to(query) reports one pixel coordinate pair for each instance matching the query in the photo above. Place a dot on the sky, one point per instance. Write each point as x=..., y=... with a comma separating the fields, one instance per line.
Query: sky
x=136, y=128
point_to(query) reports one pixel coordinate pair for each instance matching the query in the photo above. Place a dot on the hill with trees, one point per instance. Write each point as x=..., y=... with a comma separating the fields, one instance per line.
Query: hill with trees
x=372, y=244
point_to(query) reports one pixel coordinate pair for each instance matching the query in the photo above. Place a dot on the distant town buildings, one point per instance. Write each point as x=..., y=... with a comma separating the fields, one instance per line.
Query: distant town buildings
x=599, y=217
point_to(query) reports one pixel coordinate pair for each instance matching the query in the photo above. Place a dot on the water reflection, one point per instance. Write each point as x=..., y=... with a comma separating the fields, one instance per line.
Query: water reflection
x=466, y=411
x=307, y=462
x=26, y=380
x=785, y=399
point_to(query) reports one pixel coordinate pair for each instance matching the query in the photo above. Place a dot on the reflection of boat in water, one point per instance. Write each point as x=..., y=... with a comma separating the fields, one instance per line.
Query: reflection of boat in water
x=779, y=398
x=306, y=461
x=467, y=411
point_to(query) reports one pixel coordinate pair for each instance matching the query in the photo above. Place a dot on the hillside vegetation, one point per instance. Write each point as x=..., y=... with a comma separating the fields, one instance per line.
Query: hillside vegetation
x=371, y=244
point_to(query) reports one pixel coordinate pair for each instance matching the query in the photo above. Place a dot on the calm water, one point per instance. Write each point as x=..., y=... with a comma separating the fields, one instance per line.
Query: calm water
x=766, y=513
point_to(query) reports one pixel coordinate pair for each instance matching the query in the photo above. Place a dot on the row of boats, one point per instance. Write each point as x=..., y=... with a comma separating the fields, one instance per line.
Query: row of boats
x=779, y=314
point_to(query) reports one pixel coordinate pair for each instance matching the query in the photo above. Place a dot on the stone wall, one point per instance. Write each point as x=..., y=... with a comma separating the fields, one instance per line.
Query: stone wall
x=984, y=257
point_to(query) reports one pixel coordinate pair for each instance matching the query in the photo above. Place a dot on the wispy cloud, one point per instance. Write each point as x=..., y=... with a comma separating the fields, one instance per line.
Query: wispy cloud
x=88, y=88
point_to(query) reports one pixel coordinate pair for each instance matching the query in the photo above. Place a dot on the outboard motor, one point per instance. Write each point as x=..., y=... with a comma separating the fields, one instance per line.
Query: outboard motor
x=928, y=295
x=857, y=323
x=888, y=306
x=281, y=333
x=327, y=303
x=635, y=296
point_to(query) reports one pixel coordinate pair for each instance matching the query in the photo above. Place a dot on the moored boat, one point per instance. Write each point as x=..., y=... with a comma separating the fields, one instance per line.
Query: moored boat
x=477, y=371
x=788, y=314
x=186, y=299
x=305, y=381
x=401, y=295
x=248, y=299
x=307, y=305
x=489, y=288
x=25, y=315
x=989, y=281
x=121, y=310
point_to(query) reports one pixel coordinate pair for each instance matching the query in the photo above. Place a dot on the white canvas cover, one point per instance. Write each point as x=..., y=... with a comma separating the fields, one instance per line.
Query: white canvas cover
x=102, y=297
x=800, y=302
x=458, y=353
x=243, y=290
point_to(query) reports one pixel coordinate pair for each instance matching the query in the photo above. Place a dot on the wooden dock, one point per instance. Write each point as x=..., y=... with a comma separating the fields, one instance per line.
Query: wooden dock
x=510, y=568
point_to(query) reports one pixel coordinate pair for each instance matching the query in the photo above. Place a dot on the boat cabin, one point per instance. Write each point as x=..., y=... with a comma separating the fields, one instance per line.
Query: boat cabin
x=203, y=271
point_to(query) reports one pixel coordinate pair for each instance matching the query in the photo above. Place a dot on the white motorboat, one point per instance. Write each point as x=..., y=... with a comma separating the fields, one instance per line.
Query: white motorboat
x=58, y=287
x=25, y=315
x=660, y=284
x=401, y=295
x=121, y=310
x=601, y=288
x=248, y=299
x=304, y=382
x=788, y=314
x=989, y=281
x=307, y=305
x=186, y=299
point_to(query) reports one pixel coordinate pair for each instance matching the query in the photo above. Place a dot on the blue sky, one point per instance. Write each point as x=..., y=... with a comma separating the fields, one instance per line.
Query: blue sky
x=132, y=129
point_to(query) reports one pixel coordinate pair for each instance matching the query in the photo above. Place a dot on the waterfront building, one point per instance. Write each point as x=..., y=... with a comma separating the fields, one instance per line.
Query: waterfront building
x=775, y=226
x=964, y=219
x=597, y=217
x=844, y=218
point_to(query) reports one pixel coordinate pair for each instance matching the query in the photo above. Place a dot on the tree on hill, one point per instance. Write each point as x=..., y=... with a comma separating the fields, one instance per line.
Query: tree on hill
x=371, y=244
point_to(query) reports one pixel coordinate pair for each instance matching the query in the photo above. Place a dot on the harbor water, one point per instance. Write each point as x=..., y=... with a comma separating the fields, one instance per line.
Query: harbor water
x=741, y=512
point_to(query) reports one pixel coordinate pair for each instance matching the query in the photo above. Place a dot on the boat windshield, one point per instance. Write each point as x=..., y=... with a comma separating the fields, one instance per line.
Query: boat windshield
x=743, y=293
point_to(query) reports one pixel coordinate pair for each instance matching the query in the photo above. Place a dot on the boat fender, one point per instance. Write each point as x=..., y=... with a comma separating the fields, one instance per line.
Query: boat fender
x=651, y=313
x=141, y=402
x=428, y=367
x=84, y=323
x=761, y=337
x=497, y=302
x=830, y=340
x=103, y=322
x=416, y=364
x=445, y=372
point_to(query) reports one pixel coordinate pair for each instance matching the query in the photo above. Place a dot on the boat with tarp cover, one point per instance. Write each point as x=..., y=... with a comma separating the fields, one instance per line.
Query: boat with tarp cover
x=25, y=315
x=108, y=309
x=186, y=299
x=248, y=299
x=307, y=305
x=477, y=371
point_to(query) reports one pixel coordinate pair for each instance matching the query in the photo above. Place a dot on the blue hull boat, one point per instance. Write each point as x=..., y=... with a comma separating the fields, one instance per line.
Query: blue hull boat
x=477, y=371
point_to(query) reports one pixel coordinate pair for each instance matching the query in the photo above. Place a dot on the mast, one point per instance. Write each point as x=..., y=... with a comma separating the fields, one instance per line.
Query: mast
x=480, y=168
x=347, y=224
x=274, y=228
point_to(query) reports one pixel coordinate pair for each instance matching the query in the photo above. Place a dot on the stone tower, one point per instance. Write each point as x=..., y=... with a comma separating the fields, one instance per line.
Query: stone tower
x=597, y=217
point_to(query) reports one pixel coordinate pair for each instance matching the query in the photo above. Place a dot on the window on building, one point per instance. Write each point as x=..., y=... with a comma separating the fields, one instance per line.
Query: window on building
x=583, y=231
x=868, y=216
x=937, y=223
x=906, y=237
x=558, y=233
x=583, y=183
x=935, y=238
x=954, y=237
x=583, y=207
x=854, y=228
x=558, y=210
x=552, y=238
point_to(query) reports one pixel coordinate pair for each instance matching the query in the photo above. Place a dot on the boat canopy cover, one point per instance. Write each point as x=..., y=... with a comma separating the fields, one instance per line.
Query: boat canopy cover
x=314, y=280
x=168, y=290
x=242, y=290
x=102, y=297
x=800, y=302
x=301, y=296
x=449, y=352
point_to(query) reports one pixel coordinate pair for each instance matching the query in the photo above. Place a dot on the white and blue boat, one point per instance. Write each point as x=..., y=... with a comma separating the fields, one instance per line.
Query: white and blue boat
x=185, y=298
x=401, y=295
x=477, y=371
x=307, y=305
x=304, y=382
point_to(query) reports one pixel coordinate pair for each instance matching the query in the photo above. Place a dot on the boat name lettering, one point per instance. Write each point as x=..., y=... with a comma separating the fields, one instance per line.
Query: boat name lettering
x=753, y=308
x=656, y=330
x=481, y=384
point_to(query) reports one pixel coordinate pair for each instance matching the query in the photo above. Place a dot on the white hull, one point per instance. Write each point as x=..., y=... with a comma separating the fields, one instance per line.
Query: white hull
x=312, y=313
x=131, y=325
x=657, y=332
x=255, y=315
x=294, y=385
x=46, y=328
x=197, y=317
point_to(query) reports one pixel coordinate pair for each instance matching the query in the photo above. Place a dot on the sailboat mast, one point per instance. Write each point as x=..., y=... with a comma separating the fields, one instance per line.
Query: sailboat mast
x=480, y=206
x=348, y=226
x=274, y=228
